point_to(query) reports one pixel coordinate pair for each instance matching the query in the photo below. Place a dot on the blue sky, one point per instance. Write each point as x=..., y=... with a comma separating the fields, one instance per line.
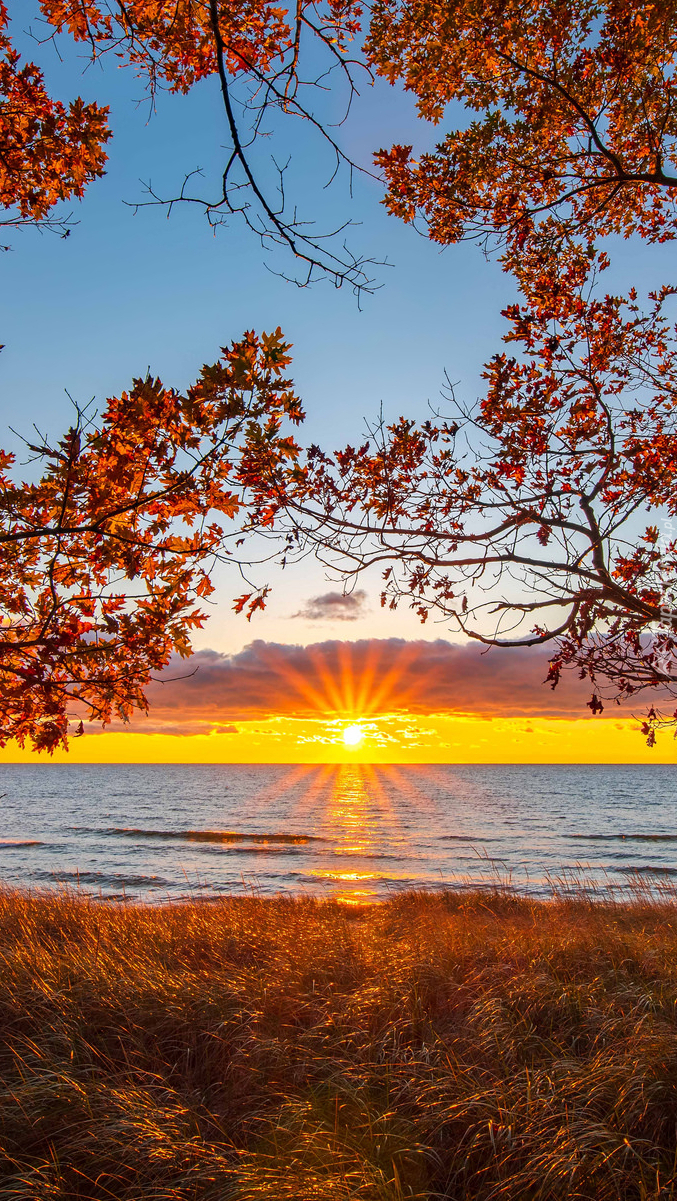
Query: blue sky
x=125, y=292
x=129, y=292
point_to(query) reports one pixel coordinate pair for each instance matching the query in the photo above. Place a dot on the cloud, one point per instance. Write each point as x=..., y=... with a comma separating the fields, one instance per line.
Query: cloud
x=366, y=678
x=178, y=724
x=334, y=606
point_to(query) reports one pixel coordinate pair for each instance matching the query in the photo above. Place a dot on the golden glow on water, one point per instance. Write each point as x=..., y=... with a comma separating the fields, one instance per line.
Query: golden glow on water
x=355, y=810
x=352, y=832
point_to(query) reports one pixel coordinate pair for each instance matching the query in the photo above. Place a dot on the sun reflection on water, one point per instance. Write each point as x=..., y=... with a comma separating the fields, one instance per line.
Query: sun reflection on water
x=359, y=816
x=363, y=822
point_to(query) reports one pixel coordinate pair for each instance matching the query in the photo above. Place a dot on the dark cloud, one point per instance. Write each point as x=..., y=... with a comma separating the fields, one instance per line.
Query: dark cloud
x=334, y=606
x=162, y=721
x=365, y=678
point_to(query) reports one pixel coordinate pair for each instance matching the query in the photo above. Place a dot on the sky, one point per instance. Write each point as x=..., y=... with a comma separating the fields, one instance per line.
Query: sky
x=131, y=290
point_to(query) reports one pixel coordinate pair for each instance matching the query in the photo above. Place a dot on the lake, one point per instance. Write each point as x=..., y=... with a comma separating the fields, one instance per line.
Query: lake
x=160, y=832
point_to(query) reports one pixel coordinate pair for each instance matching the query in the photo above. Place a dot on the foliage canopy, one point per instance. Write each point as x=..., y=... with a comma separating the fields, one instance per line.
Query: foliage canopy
x=525, y=508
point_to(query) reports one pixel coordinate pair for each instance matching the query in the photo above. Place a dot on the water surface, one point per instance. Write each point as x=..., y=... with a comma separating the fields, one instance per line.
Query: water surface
x=159, y=832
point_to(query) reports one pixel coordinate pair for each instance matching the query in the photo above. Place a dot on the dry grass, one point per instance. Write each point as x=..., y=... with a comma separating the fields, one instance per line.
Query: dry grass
x=461, y=1045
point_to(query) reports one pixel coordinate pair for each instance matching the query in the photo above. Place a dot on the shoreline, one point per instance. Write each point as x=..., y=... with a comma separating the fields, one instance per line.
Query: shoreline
x=569, y=888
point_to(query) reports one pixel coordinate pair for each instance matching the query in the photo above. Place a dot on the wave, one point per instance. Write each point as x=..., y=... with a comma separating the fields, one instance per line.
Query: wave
x=464, y=838
x=372, y=855
x=359, y=880
x=259, y=849
x=89, y=877
x=20, y=842
x=624, y=837
x=218, y=836
x=647, y=870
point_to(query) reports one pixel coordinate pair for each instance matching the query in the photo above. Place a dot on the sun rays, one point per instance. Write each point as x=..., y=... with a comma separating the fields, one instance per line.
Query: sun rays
x=343, y=683
x=345, y=693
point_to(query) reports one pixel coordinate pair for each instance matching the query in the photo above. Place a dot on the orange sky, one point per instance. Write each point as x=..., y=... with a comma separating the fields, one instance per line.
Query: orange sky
x=388, y=739
x=412, y=701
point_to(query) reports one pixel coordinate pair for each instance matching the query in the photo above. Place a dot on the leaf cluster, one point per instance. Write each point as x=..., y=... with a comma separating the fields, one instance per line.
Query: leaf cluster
x=48, y=152
x=577, y=118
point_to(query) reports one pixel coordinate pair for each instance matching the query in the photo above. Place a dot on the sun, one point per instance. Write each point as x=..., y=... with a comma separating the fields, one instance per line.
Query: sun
x=353, y=735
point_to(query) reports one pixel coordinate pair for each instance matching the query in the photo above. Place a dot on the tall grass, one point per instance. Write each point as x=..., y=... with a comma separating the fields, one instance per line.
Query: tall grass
x=469, y=1045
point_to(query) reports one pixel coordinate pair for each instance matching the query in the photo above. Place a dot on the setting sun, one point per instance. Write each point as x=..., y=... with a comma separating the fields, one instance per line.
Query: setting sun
x=353, y=735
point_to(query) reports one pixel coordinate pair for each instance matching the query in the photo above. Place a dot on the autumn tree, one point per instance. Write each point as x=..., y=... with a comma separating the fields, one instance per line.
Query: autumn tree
x=522, y=520
x=106, y=557
x=533, y=501
x=108, y=546
x=573, y=108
